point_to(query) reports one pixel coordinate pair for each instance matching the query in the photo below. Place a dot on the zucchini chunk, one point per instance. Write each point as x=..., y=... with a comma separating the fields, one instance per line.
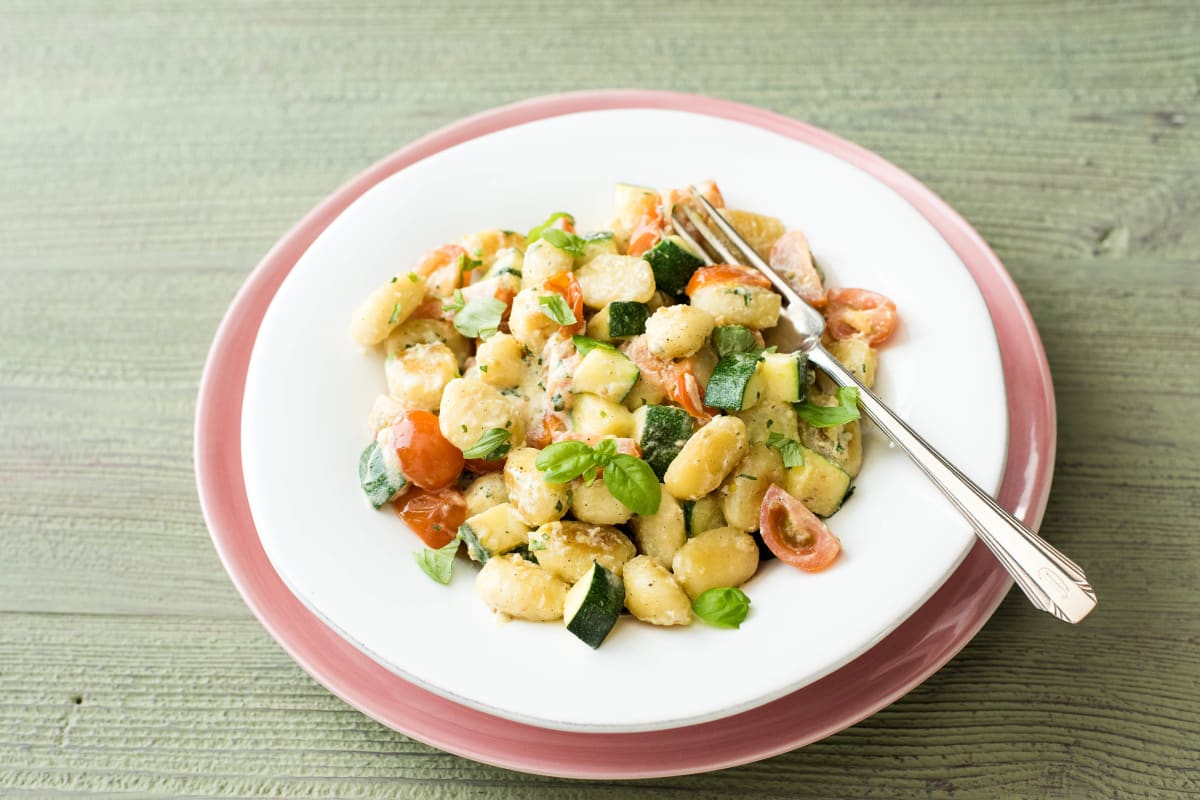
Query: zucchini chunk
x=819, y=484
x=673, y=263
x=785, y=376
x=703, y=514
x=606, y=373
x=600, y=243
x=593, y=605
x=661, y=432
x=498, y=530
x=379, y=473
x=626, y=318
x=728, y=339
x=736, y=383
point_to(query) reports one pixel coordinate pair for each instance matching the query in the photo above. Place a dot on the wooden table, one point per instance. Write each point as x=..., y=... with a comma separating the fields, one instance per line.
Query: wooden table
x=151, y=153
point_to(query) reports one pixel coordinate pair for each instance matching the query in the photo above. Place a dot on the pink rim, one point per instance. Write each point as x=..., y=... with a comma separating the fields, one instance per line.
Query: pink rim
x=900, y=662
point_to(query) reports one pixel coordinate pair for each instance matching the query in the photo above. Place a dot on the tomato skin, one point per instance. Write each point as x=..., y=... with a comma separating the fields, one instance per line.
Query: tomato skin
x=479, y=466
x=649, y=227
x=779, y=520
x=726, y=273
x=426, y=457
x=567, y=285
x=433, y=516
x=792, y=259
x=860, y=313
x=686, y=393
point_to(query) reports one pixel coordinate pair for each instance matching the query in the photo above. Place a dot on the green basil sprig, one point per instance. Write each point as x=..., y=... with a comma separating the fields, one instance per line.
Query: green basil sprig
x=538, y=231
x=586, y=344
x=723, y=607
x=493, y=444
x=575, y=245
x=627, y=478
x=438, y=564
x=479, y=318
x=827, y=416
x=556, y=308
x=793, y=454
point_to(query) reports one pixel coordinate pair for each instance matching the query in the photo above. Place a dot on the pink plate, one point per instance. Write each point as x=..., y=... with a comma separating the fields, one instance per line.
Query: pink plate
x=901, y=661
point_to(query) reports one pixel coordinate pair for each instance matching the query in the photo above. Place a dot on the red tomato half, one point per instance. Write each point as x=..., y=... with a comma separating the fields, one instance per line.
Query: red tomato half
x=727, y=273
x=434, y=516
x=794, y=534
x=855, y=313
x=426, y=457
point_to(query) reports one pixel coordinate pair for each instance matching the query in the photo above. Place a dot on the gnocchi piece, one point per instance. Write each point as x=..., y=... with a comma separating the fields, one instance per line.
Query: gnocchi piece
x=500, y=360
x=568, y=548
x=759, y=231
x=387, y=307
x=486, y=491
x=857, y=356
x=429, y=331
x=385, y=412
x=767, y=417
x=534, y=498
x=596, y=504
x=528, y=324
x=851, y=454
x=417, y=376
x=486, y=245
x=471, y=408
x=706, y=458
x=716, y=558
x=736, y=304
x=608, y=278
x=653, y=595
x=678, y=331
x=542, y=261
x=742, y=493
x=661, y=534
x=521, y=589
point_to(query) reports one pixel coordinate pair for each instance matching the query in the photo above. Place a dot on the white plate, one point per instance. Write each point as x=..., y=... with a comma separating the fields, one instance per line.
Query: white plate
x=309, y=388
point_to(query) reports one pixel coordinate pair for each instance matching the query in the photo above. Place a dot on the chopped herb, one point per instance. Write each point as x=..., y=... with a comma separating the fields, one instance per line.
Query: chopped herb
x=395, y=317
x=456, y=303
x=483, y=367
x=557, y=402
x=790, y=449
x=394, y=279
x=412, y=276
x=827, y=416
x=438, y=564
x=747, y=477
x=586, y=344
x=493, y=444
x=466, y=263
x=556, y=308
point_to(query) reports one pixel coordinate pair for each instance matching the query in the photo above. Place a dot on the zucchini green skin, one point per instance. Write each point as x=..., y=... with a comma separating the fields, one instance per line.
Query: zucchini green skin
x=603, y=597
x=379, y=481
x=728, y=339
x=672, y=264
x=665, y=430
x=627, y=318
x=702, y=515
x=475, y=549
x=730, y=379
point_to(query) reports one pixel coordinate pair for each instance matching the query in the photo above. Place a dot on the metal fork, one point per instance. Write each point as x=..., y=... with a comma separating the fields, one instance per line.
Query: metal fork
x=1049, y=579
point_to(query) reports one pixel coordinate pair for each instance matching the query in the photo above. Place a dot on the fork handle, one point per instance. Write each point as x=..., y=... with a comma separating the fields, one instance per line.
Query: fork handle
x=1049, y=579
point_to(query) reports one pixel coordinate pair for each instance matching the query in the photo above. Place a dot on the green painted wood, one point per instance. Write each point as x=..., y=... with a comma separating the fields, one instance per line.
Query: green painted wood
x=151, y=153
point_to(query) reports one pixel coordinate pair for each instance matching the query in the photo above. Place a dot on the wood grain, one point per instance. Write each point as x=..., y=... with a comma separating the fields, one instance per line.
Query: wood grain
x=151, y=153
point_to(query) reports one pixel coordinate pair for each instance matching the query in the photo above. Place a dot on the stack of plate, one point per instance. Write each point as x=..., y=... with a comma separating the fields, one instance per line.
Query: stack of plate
x=280, y=425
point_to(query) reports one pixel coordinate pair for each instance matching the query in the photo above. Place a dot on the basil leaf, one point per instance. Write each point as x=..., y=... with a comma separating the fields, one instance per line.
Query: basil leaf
x=395, y=317
x=605, y=449
x=586, y=344
x=536, y=233
x=480, y=318
x=456, y=303
x=569, y=242
x=493, y=444
x=556, y=308
x=728, y=339
x=564, y=461
x=631, y=481
x=723, y=607
x=438, y=564
x=827, y=416
x=466, y=263
x=793, y=454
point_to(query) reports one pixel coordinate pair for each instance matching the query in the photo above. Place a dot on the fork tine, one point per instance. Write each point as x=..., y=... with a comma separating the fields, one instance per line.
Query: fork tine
x=682, y=233
x=710, y=238
x=749, y=256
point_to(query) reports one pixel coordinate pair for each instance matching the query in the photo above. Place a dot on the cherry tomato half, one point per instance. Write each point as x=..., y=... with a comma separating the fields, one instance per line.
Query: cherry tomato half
x=433, y=516
x=426, y=457
x=861, y=313
x=649, y=226
x=794, y=534
x=727, y=273
x=792, y=259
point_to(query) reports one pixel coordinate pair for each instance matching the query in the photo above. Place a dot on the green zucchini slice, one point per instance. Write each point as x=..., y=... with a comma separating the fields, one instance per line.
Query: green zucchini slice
x=593, y=605
x=607, y=373
x=661, y=432
x=673, y=264
x=627, y=318
x=703, y=514
x=728, y=339
x=785, y=376
x=735, y=383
